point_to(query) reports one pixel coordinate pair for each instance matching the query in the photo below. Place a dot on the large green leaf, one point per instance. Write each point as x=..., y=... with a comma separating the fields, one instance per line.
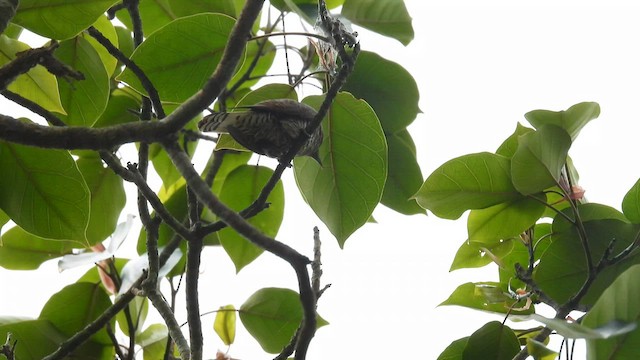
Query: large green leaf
x=180, y=57
x=505, y=220
x=272, y=315
x=474, y=181
x=240, y=188
x=37, y=85
x=617, y=303
x=75, y=306
x=563, y=268
x=574, y=330
x=571, y=120
x=388, y=87
x=23, y=251
x=404, y=177
x=36, y=338
x=83, y=100
x=486, y=296
x=347, y=187
x=386, y=17
x=43, y=191
x=60, y=19
x=631, y=203
x=107, y=198
x=538, y=162
x=121, y=108
x=492, y=341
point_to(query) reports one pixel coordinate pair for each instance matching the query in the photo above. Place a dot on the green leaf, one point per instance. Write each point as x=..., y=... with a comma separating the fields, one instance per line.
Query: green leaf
x=23, y=251
x=492, y=341
x=573, y=330
x=520, y=253
x=505, y=220
x=240, y=188
x=138, y=310
x=388, y=87
x=473, y=254
x=510, y=145
x=571, y=120
x=83, y=100
x=36, y=338
x=60, y=19
x=617, y=303
x=180, y=57
x=347, y=187
x=631, y=203
x=120, y=109
x=43, y=192
x=37, y=85
x=153, y=341
x=539, y=351
x=108, y=30
x=563, y=269
x=225, y=324
x=125, y=41
x=404, y=177
x=485, y=296
x=183, y=8
x=474, y=181
x=386, y=17
x=538, y=162
x=107, y=198
x=75, y=306
x=455, y=350
x=13, y=31
x=272, y=315
x=154, y=13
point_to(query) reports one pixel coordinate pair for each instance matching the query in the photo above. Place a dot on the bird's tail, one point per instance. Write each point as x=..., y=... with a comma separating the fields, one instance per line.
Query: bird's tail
x=215, y=122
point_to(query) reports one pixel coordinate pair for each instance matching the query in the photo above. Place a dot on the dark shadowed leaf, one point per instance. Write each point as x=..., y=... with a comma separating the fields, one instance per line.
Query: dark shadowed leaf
x=505, y=220
x=631, y=203
x=75, y=306
x=492, y=341
x=386, y=17
x=388, y=87
x=404, y=177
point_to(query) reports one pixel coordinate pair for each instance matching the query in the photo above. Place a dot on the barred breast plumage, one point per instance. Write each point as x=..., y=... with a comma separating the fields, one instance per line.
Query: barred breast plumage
x=269, y=128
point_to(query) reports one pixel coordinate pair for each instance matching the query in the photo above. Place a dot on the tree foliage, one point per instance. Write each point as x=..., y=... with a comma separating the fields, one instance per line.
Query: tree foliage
x=528, y=216
x=98, y=84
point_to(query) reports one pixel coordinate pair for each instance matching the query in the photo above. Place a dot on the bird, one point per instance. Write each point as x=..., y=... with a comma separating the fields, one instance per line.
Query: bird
x=270, y=127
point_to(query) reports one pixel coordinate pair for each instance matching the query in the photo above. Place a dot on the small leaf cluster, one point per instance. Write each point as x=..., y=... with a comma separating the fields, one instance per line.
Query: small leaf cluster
x=529, y=216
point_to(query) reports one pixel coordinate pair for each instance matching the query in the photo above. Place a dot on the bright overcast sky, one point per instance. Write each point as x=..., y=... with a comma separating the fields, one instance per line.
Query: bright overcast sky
x=479, y=69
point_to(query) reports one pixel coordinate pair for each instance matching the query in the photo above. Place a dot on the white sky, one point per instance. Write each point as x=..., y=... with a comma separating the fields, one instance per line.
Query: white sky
x=479, y=69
